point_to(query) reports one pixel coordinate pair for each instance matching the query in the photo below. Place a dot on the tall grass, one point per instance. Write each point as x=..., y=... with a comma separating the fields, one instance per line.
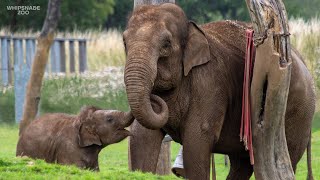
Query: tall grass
x=306, y=38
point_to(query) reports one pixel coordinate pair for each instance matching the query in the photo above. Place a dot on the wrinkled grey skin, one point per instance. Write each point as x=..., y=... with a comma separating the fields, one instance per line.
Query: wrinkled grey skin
x=74, y=140
x=186, y=80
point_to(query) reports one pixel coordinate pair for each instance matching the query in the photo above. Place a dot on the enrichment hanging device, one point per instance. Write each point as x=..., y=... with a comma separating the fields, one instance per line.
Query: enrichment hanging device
x=245, y=128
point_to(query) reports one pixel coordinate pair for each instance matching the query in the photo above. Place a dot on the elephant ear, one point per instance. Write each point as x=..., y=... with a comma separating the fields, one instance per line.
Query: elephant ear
x=197, y=50
x=87, y=131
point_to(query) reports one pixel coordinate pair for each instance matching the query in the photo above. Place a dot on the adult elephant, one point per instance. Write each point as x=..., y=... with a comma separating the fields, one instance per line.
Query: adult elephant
x=186, y=80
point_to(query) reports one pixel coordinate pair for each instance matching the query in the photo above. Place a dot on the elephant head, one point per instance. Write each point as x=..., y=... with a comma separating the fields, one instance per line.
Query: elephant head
x=102, y=127
x=162, y=47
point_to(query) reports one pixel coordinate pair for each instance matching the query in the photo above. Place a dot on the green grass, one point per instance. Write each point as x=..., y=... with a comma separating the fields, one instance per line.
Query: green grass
x=7, y=106
x=316, y=122
x=112, y=160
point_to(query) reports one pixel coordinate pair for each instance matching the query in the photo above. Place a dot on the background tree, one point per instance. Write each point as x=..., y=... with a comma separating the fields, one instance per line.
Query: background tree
x=83, y=14
x=45, y=39
x=122, y=10
x=80, y=14
x=213, y=10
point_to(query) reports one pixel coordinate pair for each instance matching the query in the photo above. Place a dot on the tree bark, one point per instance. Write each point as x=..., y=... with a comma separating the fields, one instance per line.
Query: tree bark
x=45, y=40
x=269, y=89
x=164, y=160
x=146, y=2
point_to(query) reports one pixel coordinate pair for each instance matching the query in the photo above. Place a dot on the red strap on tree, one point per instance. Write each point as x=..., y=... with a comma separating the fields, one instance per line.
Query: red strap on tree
x=245, y=128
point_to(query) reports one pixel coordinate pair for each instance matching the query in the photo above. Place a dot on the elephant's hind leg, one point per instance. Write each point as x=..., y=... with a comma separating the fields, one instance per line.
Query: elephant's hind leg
x=240, y=168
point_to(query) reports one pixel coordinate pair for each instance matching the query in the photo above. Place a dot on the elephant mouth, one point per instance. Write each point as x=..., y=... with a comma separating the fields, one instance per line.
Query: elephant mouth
x=163, y=92
x=163, y=85
x=124, y=131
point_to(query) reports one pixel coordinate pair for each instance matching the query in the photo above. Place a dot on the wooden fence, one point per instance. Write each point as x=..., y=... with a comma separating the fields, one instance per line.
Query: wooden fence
x=16, y=60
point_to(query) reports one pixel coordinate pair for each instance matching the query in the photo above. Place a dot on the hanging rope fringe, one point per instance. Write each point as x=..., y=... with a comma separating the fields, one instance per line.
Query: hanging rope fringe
x=245, y=128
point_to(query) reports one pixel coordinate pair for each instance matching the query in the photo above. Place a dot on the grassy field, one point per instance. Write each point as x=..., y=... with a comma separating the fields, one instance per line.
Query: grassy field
x=112, y=160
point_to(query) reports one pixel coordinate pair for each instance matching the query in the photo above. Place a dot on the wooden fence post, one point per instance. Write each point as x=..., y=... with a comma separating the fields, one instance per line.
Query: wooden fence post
x=29, y=52
x=82, y=56
x=5, y=61
x=22, y=74
x=10, y=75
x=72, y=56
x=62, y=56
x=55, y=57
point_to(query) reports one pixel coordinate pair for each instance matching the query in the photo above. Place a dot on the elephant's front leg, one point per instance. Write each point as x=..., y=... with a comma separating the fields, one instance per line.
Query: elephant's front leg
x=144, y=148
x=197, y=148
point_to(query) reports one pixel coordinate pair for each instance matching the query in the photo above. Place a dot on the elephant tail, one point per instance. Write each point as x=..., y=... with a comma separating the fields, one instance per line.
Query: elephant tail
x=310, y=176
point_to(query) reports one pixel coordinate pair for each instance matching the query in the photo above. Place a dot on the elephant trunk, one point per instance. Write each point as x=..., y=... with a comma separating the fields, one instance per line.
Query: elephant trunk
x=127, y=119
x=139, y=77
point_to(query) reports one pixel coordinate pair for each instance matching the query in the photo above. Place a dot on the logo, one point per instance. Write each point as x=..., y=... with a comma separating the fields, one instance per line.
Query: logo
x=23, y=10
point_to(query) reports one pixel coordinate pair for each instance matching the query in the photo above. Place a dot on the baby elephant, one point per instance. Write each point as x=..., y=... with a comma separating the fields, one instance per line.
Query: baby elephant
x=73, y=140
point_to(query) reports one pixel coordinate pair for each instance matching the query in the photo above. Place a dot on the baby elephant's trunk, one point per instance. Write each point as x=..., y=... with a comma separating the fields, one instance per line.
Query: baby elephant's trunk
x=127, y=119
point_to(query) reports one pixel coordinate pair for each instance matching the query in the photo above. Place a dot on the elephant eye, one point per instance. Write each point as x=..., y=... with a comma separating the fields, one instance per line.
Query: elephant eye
x=166, y=48
x=167, y=44
x=109, y=120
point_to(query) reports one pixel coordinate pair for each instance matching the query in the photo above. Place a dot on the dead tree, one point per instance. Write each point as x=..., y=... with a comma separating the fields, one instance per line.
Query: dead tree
x=144, y=2
x=269, y=89
x=45, y=40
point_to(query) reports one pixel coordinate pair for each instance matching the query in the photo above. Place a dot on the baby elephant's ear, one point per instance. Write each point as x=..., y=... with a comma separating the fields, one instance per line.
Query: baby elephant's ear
x=87, y=131
x=197, y=50
x=86, y=113
x=87, y=135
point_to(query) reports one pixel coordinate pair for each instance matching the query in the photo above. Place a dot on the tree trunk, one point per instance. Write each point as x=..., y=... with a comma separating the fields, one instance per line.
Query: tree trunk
x=269, y=89
x=164, y=164
x=145, y=2
x=164, y=160
x=45, y=40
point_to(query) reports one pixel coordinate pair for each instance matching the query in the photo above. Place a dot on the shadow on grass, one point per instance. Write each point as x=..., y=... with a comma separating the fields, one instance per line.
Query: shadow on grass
x=4, y=163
